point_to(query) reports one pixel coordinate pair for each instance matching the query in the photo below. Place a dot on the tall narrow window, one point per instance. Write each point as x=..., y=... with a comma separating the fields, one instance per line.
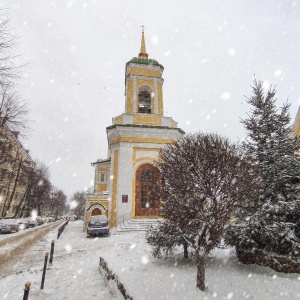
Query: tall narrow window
x=145, y=102
x=102, y=177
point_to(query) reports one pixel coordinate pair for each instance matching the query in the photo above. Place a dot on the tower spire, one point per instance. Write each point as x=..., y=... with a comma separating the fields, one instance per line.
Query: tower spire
x=143, y=52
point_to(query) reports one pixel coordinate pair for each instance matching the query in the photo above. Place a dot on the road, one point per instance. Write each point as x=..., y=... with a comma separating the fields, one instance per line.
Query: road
x=14, y=246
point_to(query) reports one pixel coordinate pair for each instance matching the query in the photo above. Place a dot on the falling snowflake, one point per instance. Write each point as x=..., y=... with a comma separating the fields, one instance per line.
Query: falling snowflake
x=277, y=73
x=231, y=52
x=68, y=248
x=155, y=40
x=145, y=260
x=225, y=96
x=132, y=246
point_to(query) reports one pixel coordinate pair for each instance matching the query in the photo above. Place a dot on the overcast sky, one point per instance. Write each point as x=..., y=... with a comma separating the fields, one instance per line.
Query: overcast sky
x=77, y=51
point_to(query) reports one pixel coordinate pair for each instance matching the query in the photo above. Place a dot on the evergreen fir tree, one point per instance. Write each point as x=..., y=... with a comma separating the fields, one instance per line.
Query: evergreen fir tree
x=274, y=224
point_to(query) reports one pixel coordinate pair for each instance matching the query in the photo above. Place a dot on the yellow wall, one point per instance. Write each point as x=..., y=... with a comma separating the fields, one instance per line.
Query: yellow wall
x=142, y=119
x=101, y=187
x=129, y=97
x=135, y=157
x=173, y=124
x=142, y=140
x=118, y=120
x=160, y=99
x=143, y=72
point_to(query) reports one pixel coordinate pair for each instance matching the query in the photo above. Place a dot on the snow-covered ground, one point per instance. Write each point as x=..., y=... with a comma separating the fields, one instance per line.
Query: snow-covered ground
x=75, y=274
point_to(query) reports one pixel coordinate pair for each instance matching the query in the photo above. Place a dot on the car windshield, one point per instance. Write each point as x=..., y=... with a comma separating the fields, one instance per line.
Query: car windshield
x=96, y=219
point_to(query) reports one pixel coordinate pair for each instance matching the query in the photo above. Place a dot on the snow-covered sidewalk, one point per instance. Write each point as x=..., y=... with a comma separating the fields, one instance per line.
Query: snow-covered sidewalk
x=146, y=278
x=75, y=274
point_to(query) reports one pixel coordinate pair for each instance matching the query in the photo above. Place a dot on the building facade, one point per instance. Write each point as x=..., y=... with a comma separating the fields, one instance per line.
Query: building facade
x=14, y=161
x=125, y=181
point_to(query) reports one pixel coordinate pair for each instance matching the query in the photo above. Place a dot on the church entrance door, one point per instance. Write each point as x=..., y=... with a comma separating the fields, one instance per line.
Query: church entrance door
x=146, y=203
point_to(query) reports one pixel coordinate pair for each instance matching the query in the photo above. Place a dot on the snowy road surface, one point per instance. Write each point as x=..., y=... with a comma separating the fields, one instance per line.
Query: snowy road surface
x=14, y=246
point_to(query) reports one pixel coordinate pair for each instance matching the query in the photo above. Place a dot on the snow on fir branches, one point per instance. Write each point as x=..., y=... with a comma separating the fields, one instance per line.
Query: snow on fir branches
x=273, y=225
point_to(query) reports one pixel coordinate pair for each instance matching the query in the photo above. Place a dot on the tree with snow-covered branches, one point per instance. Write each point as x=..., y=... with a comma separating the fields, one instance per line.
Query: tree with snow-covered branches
x=204, y=181
x=273, y=225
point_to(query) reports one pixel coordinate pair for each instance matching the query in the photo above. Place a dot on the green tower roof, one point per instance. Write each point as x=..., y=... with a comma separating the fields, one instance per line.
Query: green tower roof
x=145, y=61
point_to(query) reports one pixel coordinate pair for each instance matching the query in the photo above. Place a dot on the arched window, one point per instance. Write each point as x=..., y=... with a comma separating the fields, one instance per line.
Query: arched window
x=144, y=102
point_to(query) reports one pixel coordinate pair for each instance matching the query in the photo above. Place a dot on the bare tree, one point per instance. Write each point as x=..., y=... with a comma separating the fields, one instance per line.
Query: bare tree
x=6, y=148
x=15, y=177
x=58, y=203
x=13, y=113
x=9, y=71
x=205, y=179
x=40, y=188
x=37, y=191
x=78, y=204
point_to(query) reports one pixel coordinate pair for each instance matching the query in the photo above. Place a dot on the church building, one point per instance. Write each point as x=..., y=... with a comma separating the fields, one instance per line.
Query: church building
x=125, y=180
x=296, y=125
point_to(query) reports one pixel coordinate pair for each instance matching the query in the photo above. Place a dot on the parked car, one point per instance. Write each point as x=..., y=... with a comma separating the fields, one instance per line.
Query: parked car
x=72, y=218
x=31, y=222
x=23, y=224
x=98, y=225
x=51, y=219
x=40, y=220
x=9, y=226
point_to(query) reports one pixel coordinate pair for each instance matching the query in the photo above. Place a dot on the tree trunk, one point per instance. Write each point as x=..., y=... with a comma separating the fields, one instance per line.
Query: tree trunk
x=185, y=250
x=4, y=211
x=14, y=187
x=21, y=202
x=200, y=271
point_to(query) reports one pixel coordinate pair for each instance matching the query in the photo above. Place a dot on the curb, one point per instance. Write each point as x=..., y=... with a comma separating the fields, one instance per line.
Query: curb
x=112, y=281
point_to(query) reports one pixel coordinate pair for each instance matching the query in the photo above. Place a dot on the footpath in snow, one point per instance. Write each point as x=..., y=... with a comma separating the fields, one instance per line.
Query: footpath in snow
x=75, y=272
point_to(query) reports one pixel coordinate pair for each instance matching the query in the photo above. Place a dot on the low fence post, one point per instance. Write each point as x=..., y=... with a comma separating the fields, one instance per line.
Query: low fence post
x=44, y=271
x=26, y=290
x=61, y=229
x=51, y=252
